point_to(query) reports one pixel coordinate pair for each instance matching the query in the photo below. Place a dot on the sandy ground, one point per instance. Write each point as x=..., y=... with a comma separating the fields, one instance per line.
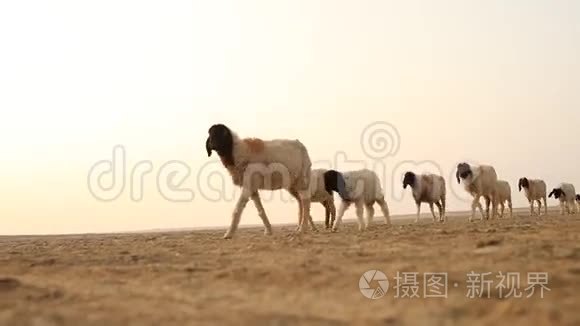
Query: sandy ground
x=187, y=278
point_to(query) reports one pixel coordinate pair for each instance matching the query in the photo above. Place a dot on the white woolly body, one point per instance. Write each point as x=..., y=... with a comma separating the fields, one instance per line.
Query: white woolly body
x=282, y=164
x=503, y=193
x=537, y=191
x=568, y=202
x=363, y=186
x=270, y=165
x=430, y=188
x=318, y=193
x=482, y=182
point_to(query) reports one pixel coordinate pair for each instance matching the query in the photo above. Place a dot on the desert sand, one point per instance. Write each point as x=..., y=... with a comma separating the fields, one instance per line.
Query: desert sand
x=195, y=277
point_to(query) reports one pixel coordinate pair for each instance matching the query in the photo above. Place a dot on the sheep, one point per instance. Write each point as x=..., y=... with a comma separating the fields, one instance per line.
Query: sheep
x=427, y=188
x=363, y=188
x=503, y=193
x=566, y=193
x=578, y=202
x=322, y=184
x=535, y=191
x=256, y=164
x=479, y=181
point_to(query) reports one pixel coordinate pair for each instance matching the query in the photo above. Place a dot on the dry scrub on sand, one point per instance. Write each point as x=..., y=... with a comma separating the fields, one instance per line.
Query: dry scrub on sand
x=190, y=278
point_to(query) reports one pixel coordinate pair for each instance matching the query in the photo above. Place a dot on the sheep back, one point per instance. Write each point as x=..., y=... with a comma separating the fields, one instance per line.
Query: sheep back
x=430, y=188
x=363, y=185
x=271, y=164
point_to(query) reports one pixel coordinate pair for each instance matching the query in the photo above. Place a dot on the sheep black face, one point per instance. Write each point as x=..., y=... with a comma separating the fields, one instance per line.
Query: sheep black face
x=334, y=181
x=578, y=198
x=463, y=171
x=557, y=193
x=523, y=183
x=221, y=140
x=409, y=180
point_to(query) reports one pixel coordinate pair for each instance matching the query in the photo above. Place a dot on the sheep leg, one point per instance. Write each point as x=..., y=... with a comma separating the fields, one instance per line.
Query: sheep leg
x=295, y=195
x=562, y=208
x=370, y=210
x=433, y=211
x=359, y=215
x=326, y=215
x=385, y=209
x=343, y=207
x=442, y=212
x=539, y=207
x=262, y=213
x=545, y=205
x=237, y=214
x=475, y=204
x=532, y=207
x=487, y=204
x=510, y=206
x=306, y=217
x=502, y=204
x=332, y=213
x=301, y=213
x=418, y=204
x=440, y=208
x=494, y=206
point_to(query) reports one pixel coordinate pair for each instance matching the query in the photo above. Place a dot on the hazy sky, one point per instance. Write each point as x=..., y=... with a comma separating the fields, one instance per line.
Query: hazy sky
x=485, y=81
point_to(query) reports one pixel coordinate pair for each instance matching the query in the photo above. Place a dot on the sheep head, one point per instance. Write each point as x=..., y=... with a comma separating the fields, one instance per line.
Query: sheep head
x=463, y=171
x=221, y=140
x=557, y=193
x=523, y=183
x=409, y=180
x=578, y=198
x=334, y=181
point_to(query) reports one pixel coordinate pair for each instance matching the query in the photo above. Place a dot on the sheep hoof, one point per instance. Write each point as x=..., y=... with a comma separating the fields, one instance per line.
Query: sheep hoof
x=334, y=230
x=228, y=235
x=268, y=232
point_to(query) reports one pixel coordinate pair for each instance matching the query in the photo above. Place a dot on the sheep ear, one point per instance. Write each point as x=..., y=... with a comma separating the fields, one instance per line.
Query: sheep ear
x=520, y=184
x=551, y=194
x=457, y=176
x=208, y=147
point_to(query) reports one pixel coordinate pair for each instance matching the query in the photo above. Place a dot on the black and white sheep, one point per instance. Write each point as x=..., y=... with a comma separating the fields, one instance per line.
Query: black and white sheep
x=427, y=188
x=479, y=181
x=535, y=191
x=256, y=164
x=566, y=194
x=363, y=188
x=322, y=185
